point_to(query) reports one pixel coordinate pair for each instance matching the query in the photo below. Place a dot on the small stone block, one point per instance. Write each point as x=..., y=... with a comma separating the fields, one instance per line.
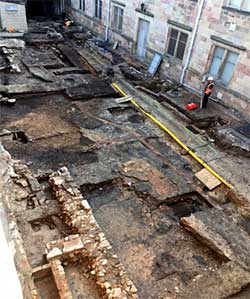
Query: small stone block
x=55, y=252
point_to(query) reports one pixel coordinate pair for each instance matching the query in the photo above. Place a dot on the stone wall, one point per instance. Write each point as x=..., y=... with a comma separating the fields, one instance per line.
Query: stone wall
x=216, y=20
x=181, y=15
x=13, y=16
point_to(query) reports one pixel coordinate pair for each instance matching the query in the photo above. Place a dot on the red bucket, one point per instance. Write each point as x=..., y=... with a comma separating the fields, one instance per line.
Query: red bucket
x=191, y=106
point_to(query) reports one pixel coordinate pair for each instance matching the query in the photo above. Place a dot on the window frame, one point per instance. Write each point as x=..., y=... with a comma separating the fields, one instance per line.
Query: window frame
x=240, y=6
x=114, y=25
x=82, y=5
x=98, y=9
x=224, y=60
x=177, y=43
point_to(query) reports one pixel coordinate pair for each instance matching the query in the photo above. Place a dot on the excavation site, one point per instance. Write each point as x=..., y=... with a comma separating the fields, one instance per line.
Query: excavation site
x=109, y=186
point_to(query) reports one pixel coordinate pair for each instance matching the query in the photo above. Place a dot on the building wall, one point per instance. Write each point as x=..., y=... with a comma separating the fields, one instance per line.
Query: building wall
x=216, y=20
x=13, y=16
x=215, y=29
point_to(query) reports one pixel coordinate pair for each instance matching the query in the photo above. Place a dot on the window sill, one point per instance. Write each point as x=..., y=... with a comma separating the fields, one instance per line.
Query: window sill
x=129, y=39
x=173, y=59
x=119, y=31
x=97, y=20
x=221, y=84
x=240, y=11
x=81, y=11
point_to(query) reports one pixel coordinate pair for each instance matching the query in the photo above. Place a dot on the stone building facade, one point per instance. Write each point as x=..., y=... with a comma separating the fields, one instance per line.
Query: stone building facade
x=13, y=15
x=208, y=37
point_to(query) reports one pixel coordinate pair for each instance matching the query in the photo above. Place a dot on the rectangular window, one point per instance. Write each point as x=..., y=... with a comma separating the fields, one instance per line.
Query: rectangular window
x=117, y=19
x=82, y=5
x=98, y=9
x=177, y=43
x=240, y=4
x=223, y=64
x=11, y=7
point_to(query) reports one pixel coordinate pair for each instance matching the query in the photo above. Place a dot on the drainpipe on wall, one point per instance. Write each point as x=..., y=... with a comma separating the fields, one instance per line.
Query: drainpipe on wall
x=62, y=6
x=190, y=51
x=107, y=21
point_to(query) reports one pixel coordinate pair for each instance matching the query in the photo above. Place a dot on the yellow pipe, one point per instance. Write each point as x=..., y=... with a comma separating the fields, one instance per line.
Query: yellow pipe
x=189, y=151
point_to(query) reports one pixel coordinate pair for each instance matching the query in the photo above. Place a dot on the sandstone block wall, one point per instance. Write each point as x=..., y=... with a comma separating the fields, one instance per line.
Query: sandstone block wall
x=163, y=15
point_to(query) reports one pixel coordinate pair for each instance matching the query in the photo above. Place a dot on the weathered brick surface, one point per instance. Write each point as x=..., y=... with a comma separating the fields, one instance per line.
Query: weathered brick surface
x=60, y=279
x=89, y=242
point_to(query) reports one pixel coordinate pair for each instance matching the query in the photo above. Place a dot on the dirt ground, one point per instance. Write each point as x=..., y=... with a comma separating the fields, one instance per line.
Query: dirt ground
x=138, y=183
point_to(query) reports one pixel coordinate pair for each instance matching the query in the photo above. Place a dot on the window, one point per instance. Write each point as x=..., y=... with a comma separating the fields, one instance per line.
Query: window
x=98, y=9
x=177, y=44
x=240, y=4
x=11, y=7
x=117, y=19
x=82, y=5
x=222, y=64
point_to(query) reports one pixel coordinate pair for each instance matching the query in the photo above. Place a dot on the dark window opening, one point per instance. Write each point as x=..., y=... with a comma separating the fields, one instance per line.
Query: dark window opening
x=98, y=9
x=177, y=44
x=43, y=8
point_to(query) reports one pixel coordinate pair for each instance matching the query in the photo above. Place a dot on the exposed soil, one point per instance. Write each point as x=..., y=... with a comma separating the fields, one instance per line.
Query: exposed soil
x=137, y=183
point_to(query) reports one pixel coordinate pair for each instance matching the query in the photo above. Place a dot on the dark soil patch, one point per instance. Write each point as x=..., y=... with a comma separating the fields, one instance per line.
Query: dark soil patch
x=102, y=193
x=188, y=204
x=51, y=158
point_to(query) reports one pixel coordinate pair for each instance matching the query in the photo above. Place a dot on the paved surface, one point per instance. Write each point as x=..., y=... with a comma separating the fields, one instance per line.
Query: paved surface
x=233, y=168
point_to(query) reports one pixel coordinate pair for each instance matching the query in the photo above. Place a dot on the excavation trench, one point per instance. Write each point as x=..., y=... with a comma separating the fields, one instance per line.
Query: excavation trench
x=137, y=185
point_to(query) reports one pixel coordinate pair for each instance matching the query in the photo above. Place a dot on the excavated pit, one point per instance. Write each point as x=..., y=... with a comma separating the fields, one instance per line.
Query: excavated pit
x=46, y=286
x=149, y=240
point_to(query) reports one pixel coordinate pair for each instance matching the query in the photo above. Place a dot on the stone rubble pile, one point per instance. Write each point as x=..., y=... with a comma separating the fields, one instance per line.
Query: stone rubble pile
x=11, y=49
x=31, y=189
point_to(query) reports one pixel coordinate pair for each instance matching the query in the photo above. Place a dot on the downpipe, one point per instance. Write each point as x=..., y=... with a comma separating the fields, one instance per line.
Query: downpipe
x=107, y=20
x=190, y=51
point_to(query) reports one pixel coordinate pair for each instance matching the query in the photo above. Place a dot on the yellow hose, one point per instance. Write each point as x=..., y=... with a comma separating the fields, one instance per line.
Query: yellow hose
x=189, y=151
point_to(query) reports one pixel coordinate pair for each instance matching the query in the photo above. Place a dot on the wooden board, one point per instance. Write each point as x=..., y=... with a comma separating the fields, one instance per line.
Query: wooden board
x=207, y=179
x=155, y=63
x=123, y=99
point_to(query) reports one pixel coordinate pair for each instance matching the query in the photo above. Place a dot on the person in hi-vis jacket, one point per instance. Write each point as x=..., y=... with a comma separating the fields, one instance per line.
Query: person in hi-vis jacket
x=209, y=85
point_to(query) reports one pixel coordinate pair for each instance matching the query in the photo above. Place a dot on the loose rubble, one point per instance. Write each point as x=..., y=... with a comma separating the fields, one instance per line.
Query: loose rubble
x=90, y=242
